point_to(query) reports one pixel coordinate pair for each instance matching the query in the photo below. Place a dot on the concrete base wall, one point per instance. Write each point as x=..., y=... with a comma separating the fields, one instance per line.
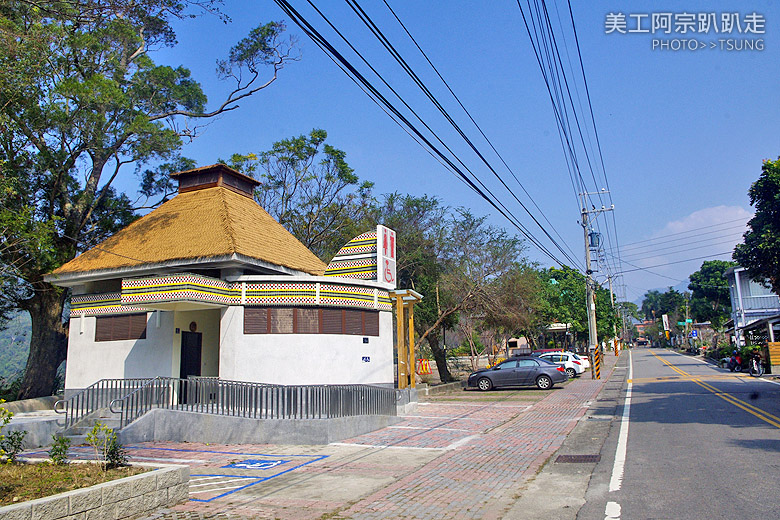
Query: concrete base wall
x=39, y=429
x=406, y=401
x=130, y=497
x=32, y=405
x=175, y=425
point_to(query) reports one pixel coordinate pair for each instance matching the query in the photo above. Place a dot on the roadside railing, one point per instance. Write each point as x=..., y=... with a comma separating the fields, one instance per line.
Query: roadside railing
x=96, y=396
x=253, y=400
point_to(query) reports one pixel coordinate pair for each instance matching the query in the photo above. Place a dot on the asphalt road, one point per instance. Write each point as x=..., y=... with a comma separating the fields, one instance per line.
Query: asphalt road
x=701, y=443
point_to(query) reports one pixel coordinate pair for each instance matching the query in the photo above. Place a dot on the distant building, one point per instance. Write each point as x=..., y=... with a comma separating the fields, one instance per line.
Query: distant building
x=750, y=302
x=641, y=328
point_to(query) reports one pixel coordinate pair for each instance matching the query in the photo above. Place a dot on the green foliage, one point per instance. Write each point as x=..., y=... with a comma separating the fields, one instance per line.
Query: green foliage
x=710, y=293
x=116, y=454
x=58, y=453
x=14, y=345
x=655, y=303
x=5, y=418
x=307, y=185
x=109, y=453
x=81, y=101
x=760, y=251
x=564, y=294
x=12, y=445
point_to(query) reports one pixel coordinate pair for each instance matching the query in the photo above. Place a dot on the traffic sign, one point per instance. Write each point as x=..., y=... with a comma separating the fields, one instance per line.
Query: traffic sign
x=694, y=333
x=680, y=323
x=689, y=320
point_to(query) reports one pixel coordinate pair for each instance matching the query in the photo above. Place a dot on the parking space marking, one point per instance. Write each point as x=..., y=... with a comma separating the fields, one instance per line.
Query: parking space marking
x=382, y=446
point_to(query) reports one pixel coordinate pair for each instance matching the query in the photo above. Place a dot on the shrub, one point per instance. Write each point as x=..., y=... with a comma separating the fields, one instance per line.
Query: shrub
x=12, y=445
x=5, y=418
x=116, y=454
x=109, y=453
x=59, y=450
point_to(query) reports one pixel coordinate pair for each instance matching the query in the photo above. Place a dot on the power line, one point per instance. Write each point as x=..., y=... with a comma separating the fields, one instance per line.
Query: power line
x=663, y=237
x=377, y=32
x=474, y=122
x=547, y=52
x=672, y=263
x=327, y=47
x=649, y=254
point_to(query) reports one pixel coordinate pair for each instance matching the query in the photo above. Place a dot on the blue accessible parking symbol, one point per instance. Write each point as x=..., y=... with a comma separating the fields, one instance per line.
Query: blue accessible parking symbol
x=256, y=464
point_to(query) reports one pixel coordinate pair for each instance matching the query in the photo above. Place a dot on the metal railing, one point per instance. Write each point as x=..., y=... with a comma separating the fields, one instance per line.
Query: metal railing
x=254, y=400
x=96, y=396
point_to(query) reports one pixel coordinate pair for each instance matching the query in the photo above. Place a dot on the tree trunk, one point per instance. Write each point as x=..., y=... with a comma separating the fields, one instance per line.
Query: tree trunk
x=440, y=355
x=48, y=342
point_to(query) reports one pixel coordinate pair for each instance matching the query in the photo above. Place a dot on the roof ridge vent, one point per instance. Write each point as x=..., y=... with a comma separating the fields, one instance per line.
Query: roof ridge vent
x=215, y=175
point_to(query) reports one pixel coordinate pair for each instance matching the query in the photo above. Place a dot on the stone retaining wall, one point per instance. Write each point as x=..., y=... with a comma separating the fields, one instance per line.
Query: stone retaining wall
x=129, y=497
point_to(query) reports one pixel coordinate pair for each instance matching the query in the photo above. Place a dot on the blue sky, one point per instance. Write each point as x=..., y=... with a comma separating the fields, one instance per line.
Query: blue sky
x=683, y=133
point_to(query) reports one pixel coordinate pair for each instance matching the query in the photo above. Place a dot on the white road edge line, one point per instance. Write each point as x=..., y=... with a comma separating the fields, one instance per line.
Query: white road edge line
x=620, y=454
x=768, y=381
x=383, y=446
x=612, y=511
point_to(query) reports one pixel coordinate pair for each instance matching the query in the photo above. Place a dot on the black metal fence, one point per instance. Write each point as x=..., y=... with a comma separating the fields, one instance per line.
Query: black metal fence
x=232, y=398
x=96, y=396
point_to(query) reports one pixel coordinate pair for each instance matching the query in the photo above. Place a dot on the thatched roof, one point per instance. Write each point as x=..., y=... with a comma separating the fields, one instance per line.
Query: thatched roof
x=205, y=223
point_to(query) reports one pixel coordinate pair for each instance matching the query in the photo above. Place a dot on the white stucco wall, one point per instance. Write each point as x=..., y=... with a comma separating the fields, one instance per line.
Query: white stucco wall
x=295, y=359
x=90, y=360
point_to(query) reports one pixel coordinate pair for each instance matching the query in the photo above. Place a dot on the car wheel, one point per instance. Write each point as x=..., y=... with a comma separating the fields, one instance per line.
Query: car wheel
x=484, y=384
x=544, y=382
x=571, y=373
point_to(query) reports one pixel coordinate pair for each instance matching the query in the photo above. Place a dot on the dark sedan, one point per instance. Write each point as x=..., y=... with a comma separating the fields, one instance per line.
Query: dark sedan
x=519, y=371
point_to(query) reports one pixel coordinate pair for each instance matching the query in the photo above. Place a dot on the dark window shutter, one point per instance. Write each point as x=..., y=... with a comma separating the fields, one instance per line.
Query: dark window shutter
x=308, y=321
x=103, y=328
x=331, y=321
x=121, y=327
x=281, y=321
x=137, y=326
x=118, y=328
x=255, y=320
x=353, y=321
x=372, y=323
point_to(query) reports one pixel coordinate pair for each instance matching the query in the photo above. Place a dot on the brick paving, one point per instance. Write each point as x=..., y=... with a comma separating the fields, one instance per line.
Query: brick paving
x=463, y=455
x=480, y=478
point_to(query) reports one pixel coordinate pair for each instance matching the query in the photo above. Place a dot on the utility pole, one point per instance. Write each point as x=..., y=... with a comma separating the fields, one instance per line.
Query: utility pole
x=614, y=323
x=686, y=318
x=590, y=293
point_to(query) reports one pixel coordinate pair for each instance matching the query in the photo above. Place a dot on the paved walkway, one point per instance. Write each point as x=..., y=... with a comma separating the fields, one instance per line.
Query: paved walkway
x=464, y=455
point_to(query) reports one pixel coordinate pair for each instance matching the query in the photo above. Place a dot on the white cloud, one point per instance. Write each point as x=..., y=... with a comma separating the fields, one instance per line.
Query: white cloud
x=717, y=217
x=703, y=235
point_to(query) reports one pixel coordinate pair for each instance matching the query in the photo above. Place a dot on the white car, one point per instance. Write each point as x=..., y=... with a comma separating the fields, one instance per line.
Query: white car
x=573, y=367
x=582, y=359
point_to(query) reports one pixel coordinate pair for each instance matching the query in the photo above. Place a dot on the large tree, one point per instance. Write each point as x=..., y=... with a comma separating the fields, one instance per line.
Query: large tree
x=81, y=102
x=760, y=252
x=307, y=185
x=710, y=293
x=657, y=303
x=419, y=223
x=565, y=294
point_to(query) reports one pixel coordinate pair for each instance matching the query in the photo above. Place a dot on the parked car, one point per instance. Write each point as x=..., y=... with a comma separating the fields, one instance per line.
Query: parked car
x=567, y=360
x=519, y=371
x=583, y=359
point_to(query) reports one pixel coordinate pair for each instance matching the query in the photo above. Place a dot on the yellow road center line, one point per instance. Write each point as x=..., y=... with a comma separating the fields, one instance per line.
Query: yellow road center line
x=757, y=412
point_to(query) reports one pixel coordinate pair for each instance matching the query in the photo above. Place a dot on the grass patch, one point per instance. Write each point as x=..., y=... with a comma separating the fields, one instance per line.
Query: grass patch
x=22, y=482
